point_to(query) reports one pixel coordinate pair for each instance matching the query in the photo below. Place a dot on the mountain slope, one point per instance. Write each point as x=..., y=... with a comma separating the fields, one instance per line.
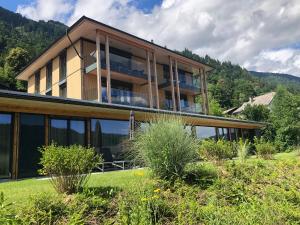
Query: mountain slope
x=275, y=79
x=28, y=38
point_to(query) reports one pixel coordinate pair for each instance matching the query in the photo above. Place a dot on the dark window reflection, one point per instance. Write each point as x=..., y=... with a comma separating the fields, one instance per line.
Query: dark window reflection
x=59, y=131
x=77, y=132
x=67, y=132
x=32, y=137
x=5, y=144
x=109, y=138
x=205, y=132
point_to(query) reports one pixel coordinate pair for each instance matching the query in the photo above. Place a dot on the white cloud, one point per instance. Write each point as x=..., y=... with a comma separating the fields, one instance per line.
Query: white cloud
x=245, y=32
x=46, y=10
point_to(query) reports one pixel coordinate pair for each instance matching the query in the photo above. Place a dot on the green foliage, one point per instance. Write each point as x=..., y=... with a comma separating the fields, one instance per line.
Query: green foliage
x=214, y=107
x=166, y=147
x=6, y=214
x=44, y=209
x=216, y=150
x=256, y=113
x=243, y=149
x=21, y=40
x=285, y=117
x=68, y=167
x=264, y=149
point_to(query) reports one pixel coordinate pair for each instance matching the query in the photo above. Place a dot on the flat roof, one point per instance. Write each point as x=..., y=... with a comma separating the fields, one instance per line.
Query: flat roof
x=21, y=100
x=84, y=26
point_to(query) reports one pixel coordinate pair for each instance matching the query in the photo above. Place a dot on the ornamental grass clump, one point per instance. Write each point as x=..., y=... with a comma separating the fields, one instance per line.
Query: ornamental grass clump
x=166, y=147
x=243, y=149
x=68, y=167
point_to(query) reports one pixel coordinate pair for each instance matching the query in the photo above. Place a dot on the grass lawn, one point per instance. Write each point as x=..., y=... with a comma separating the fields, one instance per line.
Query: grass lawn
x=259, y=192
x=18, y=192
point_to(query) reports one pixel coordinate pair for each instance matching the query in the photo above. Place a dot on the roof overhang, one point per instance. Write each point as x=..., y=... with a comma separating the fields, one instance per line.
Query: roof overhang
x=11, y=101
x=86, y=28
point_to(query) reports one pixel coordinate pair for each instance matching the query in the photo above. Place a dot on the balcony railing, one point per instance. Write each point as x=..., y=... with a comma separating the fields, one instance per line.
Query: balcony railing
x=195, y=108
x=183, y=85
x=125, y=97
x=118, y=64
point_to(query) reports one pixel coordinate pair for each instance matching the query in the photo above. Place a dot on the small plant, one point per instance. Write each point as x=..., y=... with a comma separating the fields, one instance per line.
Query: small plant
x=243, y=149
x=68, y=167
x=264, y=149
x=216, y=151
x=44, y=209
x=166, y=147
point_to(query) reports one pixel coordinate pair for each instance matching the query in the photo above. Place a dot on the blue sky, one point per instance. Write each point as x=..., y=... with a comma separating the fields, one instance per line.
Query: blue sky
x=145, y=5
x=260, y=35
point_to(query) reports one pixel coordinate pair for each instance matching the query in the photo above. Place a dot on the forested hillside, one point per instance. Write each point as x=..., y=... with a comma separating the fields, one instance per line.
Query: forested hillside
x=230, y=85
x=21, y=39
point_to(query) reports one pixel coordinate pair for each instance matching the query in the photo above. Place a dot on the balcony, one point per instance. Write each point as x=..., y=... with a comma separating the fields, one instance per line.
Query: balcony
x=121, y=67
x=186, y=88
x=185, y=106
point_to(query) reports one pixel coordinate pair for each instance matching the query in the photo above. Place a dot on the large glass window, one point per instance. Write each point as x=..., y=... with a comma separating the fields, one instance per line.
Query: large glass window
x=59, y=131
x=205, y=132
x=63, y=90
x=37, y=78
x=49, y=75
x=77, y=132
x=5, y=144
x=67, y=132
x=32, y=136
x=63, y=65
x=109, y=138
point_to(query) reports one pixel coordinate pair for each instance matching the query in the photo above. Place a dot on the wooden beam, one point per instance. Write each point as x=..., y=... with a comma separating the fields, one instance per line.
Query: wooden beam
x=172, y=83
x=206, y=92
x=15, y=156
x=108, y=79
x=149, y=81
x=155, y=80
x=88, y=132
x=202, y=91
x=98, y=60
x=177, y=85
x=46, y=130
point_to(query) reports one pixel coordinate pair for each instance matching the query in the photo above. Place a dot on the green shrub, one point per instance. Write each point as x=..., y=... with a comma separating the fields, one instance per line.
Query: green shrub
x=216, y=150
x=45, y=209
x=68, y=167
x=243, y=149
x=166, y=147
x=6, y=214
x=264, y=149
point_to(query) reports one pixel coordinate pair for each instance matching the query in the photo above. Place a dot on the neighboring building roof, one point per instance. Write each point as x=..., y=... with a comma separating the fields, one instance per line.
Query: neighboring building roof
x=264, y=99
x=59, y=106
x=229, y=111
x=85, y=27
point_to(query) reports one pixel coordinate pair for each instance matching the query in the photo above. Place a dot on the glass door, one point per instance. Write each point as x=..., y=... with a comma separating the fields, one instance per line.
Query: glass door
x=5, y=145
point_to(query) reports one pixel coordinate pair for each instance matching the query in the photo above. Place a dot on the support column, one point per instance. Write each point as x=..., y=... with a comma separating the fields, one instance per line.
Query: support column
x=203, y=91
x=108, y=79
x=172, y=83
x=15, y=156
x=149, y=81
x=155, y=79
x=206, y=92
x=46, y=130
x=177, y=85
x=98, y=64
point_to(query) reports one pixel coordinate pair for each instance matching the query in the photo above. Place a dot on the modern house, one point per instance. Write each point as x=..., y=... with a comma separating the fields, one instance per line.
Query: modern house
x=87, y=86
